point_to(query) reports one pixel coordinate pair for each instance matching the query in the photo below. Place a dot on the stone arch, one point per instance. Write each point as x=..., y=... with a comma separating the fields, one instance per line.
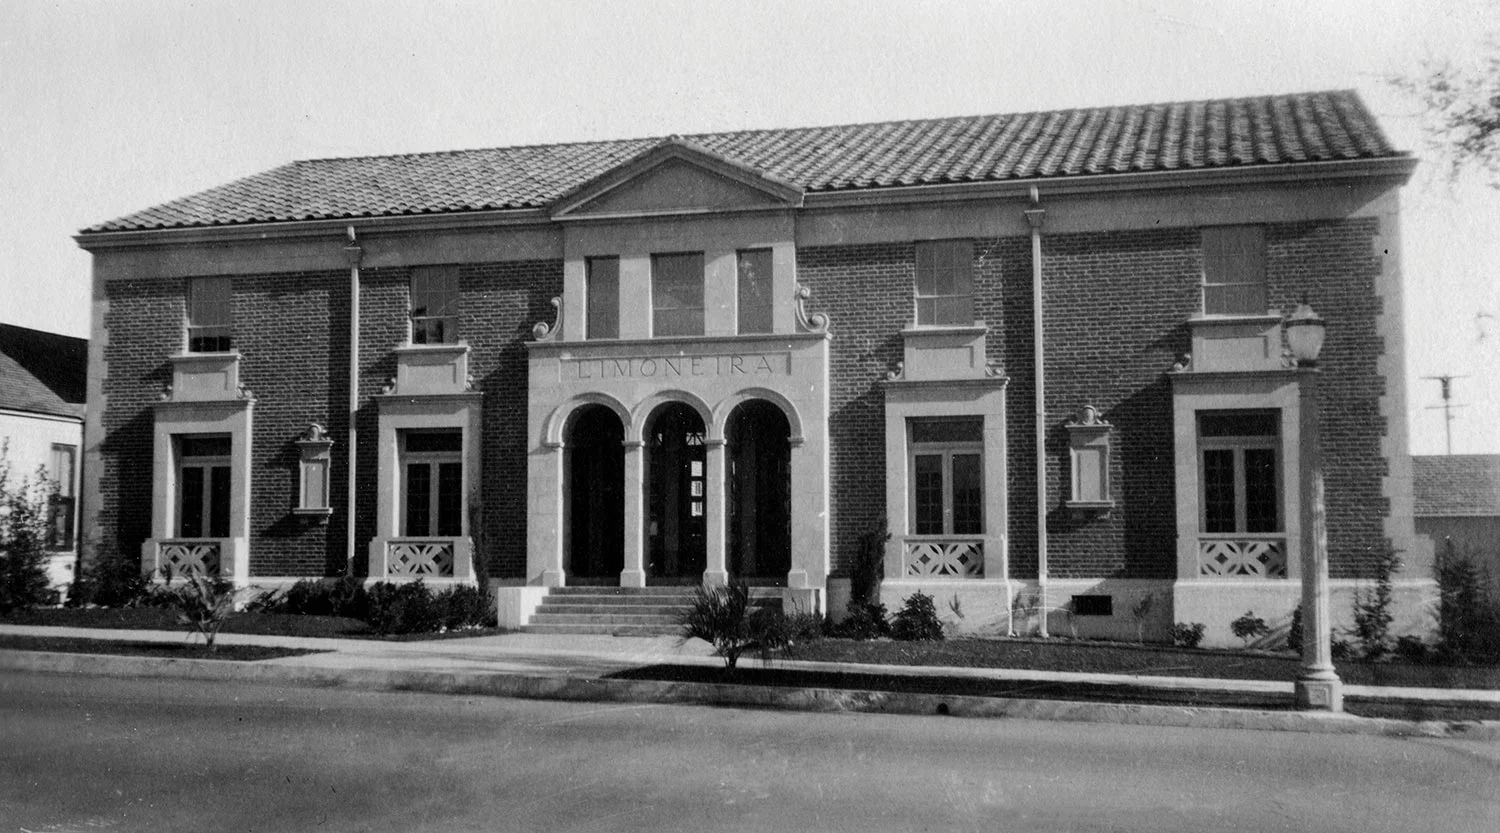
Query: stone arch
x=727, y=405
x=636, y=427
x=557, y=421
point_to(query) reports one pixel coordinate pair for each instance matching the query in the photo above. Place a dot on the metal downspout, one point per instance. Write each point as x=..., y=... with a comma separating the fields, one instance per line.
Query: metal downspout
x=352, y=254
x=1034, y=216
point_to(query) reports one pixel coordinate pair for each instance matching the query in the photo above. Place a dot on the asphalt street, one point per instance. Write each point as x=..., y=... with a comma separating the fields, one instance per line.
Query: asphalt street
x=82, y=753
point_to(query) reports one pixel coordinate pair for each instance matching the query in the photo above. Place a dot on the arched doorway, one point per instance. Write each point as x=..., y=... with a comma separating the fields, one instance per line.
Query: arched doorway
x=595, y=464
x=758, y=493
x=677, y=497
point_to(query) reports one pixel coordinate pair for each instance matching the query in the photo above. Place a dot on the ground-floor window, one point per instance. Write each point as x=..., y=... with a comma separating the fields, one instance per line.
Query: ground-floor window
x=431, y=483
x=1239, y=469
x=203, y=486
x=947, y=476
x=62, y=503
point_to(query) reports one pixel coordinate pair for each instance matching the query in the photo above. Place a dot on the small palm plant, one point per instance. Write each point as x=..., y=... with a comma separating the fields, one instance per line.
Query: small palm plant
x=719, y=615
x=204, y=605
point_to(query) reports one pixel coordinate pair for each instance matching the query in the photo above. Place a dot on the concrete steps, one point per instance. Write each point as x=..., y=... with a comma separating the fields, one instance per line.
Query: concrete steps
x=624, y=611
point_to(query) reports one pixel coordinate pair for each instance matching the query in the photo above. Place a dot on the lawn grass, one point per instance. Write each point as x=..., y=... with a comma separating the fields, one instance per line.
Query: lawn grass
x=170, y=650
x=1092, y=657
x=264, y=624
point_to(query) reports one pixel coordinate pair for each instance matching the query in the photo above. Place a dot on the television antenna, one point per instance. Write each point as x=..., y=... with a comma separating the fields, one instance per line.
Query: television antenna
x=1447, y=407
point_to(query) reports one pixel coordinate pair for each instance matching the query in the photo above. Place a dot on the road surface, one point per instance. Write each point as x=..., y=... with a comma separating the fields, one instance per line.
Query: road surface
x=95, y=754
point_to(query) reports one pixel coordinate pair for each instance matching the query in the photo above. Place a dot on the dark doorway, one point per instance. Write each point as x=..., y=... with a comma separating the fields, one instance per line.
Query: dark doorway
x=595, y=499
x=676, y=476
x=758, y=491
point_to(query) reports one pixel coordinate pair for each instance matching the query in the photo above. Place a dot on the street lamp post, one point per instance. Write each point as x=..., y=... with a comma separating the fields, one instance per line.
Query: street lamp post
x=1318, y=685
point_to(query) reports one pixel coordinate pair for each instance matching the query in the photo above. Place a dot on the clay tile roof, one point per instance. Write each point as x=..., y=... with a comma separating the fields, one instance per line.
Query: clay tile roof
x=1281, y=129
x=1456, y=484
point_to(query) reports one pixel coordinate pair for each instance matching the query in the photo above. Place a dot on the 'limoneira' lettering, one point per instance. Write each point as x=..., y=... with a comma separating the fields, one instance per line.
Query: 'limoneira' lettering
x=670, y=367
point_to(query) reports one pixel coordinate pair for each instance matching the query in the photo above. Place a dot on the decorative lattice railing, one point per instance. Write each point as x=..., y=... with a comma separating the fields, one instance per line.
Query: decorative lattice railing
x=192, y=555
x=944, y=557
x=419, y=557
x=1242, y=557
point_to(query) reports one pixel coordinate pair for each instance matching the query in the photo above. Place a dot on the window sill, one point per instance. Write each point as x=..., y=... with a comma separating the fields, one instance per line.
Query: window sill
x=1090, y=505
x=1267, y=317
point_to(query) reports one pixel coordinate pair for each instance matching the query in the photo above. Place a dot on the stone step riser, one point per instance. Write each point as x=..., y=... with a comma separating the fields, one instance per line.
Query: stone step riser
x=602, y=619
x=636, y=602
x=603, y=630
x=675, y=592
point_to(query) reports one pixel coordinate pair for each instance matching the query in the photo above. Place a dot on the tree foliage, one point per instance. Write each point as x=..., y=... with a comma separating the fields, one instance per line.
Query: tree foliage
x=23, y=539
x=1462, y=103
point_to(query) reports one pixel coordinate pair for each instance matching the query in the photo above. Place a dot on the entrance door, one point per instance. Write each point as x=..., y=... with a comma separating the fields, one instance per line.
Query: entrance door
x=676, y=473
x=596, y=500
x=758, y=475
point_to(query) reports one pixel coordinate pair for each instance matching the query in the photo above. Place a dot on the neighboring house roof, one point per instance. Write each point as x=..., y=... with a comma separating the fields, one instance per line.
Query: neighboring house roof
x=1266, y=130
x=1456, y=484
x=42, y=373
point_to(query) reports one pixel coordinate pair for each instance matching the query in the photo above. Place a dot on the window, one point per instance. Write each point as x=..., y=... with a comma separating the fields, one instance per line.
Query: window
x=1234, y=270
x=947, y=476
x=434, y=305
x=677, y=295
x=755, y=293
x=945, y=283
x=61, y=508
x=209, y=319
x=602, y=293
x=432, y=483
x=203, y=486
x=1240, y=470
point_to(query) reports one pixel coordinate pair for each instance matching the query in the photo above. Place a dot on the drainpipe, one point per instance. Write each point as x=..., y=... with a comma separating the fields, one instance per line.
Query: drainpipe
x=1034, y=216
x=352, y=255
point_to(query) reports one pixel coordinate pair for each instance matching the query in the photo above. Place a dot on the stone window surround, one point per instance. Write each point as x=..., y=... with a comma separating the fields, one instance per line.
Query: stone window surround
x=175, y=418
x=1206, y=391
x=908, y=400
x=399, y=413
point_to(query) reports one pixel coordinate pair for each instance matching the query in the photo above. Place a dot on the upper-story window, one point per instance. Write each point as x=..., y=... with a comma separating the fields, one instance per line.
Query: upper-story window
x=1234, y=270
x=602, y=296
x=945, y=283
x=753, y=267
x=677, y=294
x=434, y=305
x=1238, y=454
x=209, y=318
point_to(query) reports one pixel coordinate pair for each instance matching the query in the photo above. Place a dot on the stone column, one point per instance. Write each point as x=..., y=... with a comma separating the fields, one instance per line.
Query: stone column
x=634, y=573
x=716, y=570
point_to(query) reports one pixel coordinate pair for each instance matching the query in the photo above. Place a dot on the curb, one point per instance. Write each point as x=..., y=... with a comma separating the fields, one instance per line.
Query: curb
x=594, y=689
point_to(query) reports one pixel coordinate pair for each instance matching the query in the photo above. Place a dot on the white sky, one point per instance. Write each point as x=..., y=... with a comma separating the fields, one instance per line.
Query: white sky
x=110, y=107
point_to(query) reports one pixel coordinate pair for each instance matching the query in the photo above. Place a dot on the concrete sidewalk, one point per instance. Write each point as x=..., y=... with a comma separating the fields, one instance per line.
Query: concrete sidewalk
x=576, y=667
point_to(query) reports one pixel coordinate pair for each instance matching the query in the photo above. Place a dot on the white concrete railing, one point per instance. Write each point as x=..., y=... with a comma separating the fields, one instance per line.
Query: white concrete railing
x=943, y=556
x=182, y=556
x=420, y=557
x=1242, y=556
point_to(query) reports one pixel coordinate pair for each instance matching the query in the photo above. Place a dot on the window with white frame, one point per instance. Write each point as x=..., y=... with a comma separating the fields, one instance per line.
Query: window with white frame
x=677, y=294
x=432, y=477
x=945, y=283
x=434, y=305
x=1239, y=455
x=63, y=502
x=602, y=298
x=753, y=270
x=947, y=475
x=210, y=324
x=1234, y=270
x=203, y=485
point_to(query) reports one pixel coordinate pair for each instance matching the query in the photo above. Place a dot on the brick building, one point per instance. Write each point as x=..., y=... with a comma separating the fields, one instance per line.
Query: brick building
x=666, y=361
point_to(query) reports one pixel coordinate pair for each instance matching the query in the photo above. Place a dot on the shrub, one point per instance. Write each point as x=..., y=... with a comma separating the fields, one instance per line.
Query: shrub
x=204, y=605
x=1249, y=627
x=1187, y=636
x=111, y=580
x=917, y=620
x=719, y=615
x=408, y=607
x=1340, y=649
x=308, y=597
x=1468, y=618
x=1140, y=613
x=862, y=620
x=869, y=564
x=1294, y=632
x=1372, y=609
x=464, y=606
x=23, y=541
x=1411, y=648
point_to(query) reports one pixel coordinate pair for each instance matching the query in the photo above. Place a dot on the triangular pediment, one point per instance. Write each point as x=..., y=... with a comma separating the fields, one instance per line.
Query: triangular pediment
x=676, y=177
